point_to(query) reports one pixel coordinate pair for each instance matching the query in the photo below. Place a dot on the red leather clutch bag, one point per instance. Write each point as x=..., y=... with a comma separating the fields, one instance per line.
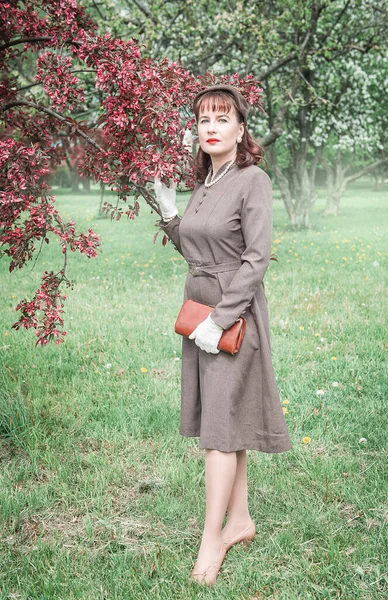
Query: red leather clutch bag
x=193, y=313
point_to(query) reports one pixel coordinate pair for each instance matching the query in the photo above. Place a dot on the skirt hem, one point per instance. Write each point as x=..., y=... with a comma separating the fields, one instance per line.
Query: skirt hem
x=258, y=446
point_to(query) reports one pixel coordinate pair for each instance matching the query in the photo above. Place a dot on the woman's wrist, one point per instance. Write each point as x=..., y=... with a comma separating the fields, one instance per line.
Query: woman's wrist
x=168, y=219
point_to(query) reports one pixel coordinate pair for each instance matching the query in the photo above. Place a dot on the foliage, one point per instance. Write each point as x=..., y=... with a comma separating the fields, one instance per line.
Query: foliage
x=323, y=66
x=135, y=130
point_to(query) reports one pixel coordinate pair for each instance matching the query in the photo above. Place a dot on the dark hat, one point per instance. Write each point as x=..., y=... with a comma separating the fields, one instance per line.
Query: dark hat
x=241, y=103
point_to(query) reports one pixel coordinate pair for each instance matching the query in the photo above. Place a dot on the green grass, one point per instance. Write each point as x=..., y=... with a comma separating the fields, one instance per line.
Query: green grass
x=101, y=498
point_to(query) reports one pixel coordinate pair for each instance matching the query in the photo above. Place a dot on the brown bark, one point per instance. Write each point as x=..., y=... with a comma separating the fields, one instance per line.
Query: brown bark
x=338, y=181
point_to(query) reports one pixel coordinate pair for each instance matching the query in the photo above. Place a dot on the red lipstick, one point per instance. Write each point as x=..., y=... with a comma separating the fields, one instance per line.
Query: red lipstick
x=212, y=140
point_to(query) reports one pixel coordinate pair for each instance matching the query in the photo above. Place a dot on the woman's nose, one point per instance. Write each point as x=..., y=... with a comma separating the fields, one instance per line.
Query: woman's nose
x=211, y=127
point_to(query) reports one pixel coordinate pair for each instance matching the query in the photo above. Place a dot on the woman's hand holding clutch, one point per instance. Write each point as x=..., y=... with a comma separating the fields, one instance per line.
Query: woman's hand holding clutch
x=207, y=335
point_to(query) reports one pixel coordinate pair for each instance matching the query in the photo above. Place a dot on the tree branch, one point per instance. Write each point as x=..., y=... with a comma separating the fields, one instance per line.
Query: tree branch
x=366, y=170
x=54, y=114
x=31, y=40
x=277, y=65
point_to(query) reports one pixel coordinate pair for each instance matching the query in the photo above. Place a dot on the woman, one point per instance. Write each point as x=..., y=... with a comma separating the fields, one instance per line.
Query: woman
x=230, y=402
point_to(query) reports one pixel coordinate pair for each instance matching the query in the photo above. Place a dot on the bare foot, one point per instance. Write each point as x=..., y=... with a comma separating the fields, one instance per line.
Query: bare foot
x=233, y=529
x=209, y=553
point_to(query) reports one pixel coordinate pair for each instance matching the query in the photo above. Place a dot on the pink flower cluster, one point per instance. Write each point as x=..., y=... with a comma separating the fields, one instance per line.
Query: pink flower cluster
x=44, y=312
x=60, y=85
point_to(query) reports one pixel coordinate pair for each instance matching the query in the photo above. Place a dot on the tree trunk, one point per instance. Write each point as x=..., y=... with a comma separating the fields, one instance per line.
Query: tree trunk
x=74, y=181
x=85, y=184
x=281, y=180
x=102, y=187
x=336, y=188
x=303, y=193
x=341, y=181
x=317, y=158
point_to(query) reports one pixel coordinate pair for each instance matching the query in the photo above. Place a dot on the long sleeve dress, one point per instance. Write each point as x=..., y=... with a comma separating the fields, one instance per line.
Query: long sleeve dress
x=230, y=402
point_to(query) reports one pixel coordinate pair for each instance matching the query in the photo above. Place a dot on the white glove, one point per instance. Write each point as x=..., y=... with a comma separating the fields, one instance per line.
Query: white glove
x=207, y=335
x=187, y=141
x=166, y=198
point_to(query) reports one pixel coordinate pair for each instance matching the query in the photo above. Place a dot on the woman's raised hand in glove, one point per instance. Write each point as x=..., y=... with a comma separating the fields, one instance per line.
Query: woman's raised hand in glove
x=207, y=335
x=166, y=198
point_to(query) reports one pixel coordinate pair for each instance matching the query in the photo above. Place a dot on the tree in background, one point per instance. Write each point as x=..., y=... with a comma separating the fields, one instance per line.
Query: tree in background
x=57, y=70
x=308, y=55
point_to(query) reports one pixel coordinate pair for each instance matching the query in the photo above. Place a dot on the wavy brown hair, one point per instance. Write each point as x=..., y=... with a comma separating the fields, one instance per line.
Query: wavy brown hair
x=248, y=151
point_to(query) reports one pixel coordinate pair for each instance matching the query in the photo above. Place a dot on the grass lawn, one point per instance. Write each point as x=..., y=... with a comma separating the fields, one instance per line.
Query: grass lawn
x=101, y=498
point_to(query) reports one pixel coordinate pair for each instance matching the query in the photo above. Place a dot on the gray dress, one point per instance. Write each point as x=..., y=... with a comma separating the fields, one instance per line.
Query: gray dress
x=230, y=402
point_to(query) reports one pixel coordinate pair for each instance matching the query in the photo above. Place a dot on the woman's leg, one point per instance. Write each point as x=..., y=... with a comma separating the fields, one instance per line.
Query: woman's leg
x=238, y=511
x=220, y=472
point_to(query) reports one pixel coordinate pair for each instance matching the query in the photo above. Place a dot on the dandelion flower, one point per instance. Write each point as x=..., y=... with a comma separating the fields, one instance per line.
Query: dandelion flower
x=285, y=410
x=320, y=392
x=333, y=358
x=286, y=401
x=143, y=370
x=306, y=440
x=301, y=327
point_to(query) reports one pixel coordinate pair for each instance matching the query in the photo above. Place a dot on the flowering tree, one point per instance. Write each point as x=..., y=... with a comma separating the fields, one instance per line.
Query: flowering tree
x=306, y=53
x=138, y=110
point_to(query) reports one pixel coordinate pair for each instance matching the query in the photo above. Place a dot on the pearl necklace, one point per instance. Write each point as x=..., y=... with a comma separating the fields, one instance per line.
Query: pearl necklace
x=207, y=184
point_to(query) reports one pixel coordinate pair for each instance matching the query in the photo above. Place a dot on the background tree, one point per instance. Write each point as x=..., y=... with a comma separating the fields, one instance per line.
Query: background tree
x=307, y=54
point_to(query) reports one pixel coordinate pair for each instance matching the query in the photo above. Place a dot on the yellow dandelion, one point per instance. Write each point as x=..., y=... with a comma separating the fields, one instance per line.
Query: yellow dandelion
x=277, y=241
x=344, y=258
x=367, y=277
x=142, y=272
x=143, y=370
x=301, y=327
x=284, y=410
x=6, y=333
x=286, y=401
x=306, y=440
x=146, y=265
x=333, y=358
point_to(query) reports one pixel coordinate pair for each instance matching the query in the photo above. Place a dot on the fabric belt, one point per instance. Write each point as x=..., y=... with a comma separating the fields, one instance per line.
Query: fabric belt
x=210, y=270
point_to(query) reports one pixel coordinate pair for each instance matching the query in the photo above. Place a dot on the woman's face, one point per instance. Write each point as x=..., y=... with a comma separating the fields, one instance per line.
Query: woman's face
x=218, y=132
